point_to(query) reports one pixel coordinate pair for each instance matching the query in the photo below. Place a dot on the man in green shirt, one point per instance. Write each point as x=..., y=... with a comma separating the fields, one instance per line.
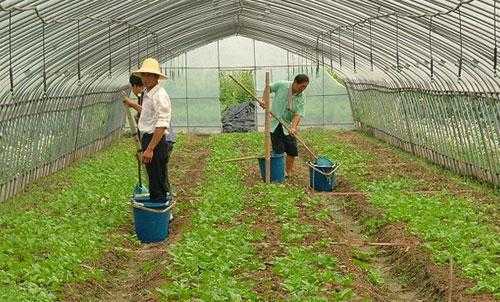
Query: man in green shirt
x=288, y=105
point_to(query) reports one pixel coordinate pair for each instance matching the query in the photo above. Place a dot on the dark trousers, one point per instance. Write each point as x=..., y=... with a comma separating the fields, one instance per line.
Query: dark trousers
x=156, y=168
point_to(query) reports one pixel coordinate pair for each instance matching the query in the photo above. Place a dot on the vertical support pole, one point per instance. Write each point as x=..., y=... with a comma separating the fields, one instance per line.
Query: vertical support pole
x=323, y=91
x=267, y=128
x=186, y=79
x=218, y=56
x=219, y=76
x=254, y=65
x=255, y=81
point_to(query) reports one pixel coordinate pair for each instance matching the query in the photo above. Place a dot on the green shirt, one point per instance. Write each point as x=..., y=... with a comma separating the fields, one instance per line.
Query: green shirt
x=280, y=104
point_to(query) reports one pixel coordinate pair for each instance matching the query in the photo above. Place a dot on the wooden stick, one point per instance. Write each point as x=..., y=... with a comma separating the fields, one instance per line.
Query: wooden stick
x=367, y=243
x=383, y=243
x=132, y=126
x=342, y=193
x=241, y=158
x=267, y=129
x=277, y=118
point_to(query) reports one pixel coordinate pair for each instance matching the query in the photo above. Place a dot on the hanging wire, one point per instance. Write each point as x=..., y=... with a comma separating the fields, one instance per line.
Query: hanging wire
x=147, y=43
x=138, y=49
x=11, y=73
x=460, y=59
x=44, y=66
x=322, y=49
x=157, y=55
x=109, y=48
x=495, y=49
x=430, y=49
x=371, y=46
x=317, y=55
x=78, y=50
x=340, y=50
x=397, y=43
x=353, y=50
x=129, y=50
x=331, y=50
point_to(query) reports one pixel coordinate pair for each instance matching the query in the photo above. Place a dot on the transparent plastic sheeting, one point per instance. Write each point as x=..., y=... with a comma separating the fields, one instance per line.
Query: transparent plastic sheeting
x=444, y=44
x=63, y=64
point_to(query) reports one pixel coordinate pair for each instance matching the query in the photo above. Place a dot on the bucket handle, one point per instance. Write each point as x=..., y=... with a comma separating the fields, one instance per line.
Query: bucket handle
x=141, y=206
x=335, y=167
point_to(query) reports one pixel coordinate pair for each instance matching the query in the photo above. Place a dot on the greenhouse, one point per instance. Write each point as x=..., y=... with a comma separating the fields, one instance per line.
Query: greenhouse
x=250, y=150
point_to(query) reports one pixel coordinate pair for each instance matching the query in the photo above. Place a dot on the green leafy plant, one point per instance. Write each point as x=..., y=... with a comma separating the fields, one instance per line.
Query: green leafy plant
x=307, y=272
x=207, y=257
x=62, y=221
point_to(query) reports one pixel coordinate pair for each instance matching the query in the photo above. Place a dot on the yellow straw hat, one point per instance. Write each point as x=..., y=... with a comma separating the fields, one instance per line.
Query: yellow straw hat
x=150, y=65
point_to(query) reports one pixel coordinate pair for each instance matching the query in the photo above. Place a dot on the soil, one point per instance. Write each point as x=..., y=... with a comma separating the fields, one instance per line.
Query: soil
x=132, y=271
x=407, y=271
x=347, y=239
x=404, y=257
x=267, y=282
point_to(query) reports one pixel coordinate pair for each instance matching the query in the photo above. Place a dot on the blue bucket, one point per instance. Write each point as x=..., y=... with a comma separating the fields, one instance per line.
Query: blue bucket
x=151, y=219
x=322, y=175
x=277, y=167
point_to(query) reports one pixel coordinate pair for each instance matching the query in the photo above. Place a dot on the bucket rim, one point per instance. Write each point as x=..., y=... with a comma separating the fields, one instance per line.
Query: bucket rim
x=152, y=205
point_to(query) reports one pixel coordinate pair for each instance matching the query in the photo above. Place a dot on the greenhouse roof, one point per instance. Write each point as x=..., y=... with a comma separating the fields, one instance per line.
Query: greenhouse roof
x=435, y=44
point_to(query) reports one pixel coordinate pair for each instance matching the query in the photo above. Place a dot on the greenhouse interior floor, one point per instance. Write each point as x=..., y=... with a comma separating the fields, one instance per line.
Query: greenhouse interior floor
x=396, y=228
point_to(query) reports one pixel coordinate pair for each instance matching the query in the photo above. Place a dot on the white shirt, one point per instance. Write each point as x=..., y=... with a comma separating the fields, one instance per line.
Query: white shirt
x=156, y=110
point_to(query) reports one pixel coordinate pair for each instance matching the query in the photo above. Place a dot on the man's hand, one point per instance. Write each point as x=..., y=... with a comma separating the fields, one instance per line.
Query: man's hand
x=293, y=131
x=126, y=101
x=147, y=155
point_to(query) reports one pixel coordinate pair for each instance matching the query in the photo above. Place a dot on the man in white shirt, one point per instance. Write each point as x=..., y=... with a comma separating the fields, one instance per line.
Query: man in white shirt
x=154, y=125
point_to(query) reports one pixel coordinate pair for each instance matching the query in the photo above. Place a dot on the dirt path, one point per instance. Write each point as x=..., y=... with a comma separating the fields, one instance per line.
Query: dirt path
x=370, y=268
x=133, y=271
x=404, y=255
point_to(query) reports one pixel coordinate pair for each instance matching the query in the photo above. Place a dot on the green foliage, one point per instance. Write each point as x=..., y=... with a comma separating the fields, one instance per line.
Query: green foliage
x=61, y=222
x=306, y=273
x=324, y=214
x=450, y=227
x=230, y=92
x=206, y=258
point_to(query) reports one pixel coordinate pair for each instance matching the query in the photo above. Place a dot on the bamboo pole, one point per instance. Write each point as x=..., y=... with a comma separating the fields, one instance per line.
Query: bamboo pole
x=267, y=128
x=241, y=158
